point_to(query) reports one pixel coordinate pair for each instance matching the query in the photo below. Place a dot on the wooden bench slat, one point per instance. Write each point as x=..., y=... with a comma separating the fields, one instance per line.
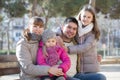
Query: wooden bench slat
x=8, y=64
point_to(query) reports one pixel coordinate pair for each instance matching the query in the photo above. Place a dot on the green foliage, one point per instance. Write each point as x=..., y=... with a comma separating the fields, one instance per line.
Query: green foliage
x=4, y=52
x=16, y=9
x=1, y=18
x=70, y=8
x=115, y=10
x=103, y=5
x=1, y=3
x=62, y=7
x=109, y=6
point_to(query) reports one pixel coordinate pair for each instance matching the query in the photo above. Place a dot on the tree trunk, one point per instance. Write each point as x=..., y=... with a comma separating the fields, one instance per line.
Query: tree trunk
x=34, y=7
x=46, y=13
x=92, y=3
x=8, y=45
x=8, y=39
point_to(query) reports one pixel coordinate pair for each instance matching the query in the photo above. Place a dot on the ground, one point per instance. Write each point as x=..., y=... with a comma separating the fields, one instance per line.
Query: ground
x=111, y=71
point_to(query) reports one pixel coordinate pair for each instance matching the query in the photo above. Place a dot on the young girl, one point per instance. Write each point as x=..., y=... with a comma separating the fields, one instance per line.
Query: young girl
x=88, y=35
x=84, y=27
x=50, y=54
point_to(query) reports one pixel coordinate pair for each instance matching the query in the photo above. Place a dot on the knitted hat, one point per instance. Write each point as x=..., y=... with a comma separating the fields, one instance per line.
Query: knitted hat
x=47, y=34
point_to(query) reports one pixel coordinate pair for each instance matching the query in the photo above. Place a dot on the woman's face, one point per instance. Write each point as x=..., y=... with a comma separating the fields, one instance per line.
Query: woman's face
x=86, y=17
x=36, y=29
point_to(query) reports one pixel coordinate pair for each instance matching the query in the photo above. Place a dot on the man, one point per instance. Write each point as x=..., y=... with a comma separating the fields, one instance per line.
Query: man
x=67, y=33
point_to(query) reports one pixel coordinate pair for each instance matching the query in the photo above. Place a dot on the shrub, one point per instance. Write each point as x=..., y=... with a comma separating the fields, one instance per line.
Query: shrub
x=4, y=52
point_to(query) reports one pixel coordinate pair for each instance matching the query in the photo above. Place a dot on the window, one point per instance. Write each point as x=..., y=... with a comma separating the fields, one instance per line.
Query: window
x=18, y=34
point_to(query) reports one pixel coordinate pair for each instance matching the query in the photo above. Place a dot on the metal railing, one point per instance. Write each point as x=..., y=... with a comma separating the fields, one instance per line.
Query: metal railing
x=105, y=52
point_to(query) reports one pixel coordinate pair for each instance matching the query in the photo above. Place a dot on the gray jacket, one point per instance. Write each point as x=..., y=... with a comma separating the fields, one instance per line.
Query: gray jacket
x=86, y=48
x=26, y=54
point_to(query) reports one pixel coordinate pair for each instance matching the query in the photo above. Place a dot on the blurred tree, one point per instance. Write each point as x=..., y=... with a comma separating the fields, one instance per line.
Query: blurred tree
x=103, y=5
x=111, y=7
x=92, y=2
x=66, y=8
x=1, y=3
x=53, y=8
x=61, y=8
x=34, y=5
x=15, y=9
x=1, y=18
x=115, y=10
x=1, y=33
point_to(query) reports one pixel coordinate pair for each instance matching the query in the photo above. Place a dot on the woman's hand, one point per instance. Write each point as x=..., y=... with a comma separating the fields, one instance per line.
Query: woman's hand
x=56, y=66
x=55, y=71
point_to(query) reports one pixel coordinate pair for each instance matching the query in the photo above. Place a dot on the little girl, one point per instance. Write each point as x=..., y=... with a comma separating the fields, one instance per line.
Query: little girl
x=51, y=54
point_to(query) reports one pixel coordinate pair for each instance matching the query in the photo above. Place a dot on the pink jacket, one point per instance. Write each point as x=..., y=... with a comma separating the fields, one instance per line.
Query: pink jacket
x=63, y=55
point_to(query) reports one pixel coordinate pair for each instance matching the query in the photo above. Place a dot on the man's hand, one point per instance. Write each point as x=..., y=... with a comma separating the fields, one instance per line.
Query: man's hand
x=59, y=41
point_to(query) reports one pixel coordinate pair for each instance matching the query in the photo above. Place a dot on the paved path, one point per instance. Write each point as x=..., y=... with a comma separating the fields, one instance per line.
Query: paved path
x=111, y=71
x=10, y=77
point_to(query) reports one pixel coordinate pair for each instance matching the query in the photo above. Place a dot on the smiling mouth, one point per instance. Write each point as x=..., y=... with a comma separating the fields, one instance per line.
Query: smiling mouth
x=70, y=34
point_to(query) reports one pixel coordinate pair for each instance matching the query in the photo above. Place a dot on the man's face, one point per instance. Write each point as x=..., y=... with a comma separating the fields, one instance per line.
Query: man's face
x=69, y=30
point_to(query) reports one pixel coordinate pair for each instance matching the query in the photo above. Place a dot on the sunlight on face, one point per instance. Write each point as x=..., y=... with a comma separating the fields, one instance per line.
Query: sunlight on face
x=69, y=30
x=86, y=17
x=50, y=42
x=36, y=29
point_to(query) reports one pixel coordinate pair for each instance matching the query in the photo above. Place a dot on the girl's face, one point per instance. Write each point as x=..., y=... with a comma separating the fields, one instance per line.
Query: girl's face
x=36, y=29
x=50, y=42
x=86, y=17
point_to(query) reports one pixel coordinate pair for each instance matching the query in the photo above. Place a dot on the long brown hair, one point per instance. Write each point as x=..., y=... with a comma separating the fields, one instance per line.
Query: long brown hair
x=36, y=21
x=90, y=9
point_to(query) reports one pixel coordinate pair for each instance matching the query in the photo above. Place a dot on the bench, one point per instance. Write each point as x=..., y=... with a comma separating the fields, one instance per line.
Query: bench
x=8, y=65
x=111, y=60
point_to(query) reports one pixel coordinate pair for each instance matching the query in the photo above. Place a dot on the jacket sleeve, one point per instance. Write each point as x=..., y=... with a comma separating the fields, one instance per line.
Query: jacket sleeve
x=26, y=63
x=66, y=63
x=87, y=44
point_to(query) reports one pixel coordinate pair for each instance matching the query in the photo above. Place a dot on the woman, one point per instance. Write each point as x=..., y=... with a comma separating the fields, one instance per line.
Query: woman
x=26, y=51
